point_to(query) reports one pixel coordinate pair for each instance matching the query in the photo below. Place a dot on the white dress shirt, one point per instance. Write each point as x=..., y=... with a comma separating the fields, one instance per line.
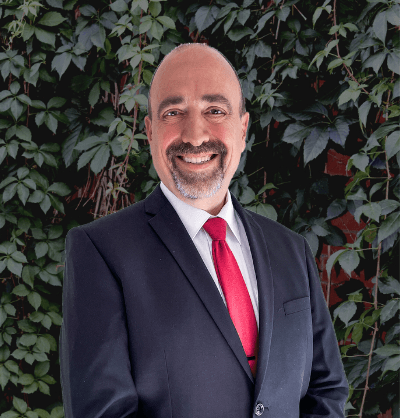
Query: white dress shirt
x=193, y=219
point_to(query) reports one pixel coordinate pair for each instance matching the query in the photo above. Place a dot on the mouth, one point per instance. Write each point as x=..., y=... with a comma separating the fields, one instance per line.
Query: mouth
x=193, y=159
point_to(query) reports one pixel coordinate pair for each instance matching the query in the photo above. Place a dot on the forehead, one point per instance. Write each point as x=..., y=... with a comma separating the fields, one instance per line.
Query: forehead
x=193, y=73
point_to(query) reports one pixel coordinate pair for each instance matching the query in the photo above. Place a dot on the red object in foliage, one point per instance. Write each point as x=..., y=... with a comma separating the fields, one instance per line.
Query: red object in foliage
x=336, y=164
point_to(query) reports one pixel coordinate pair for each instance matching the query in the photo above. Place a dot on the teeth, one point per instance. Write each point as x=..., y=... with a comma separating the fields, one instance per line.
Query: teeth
x=197, y=160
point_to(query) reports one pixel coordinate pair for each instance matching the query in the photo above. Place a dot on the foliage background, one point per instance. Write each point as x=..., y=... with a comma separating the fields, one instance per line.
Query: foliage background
x=318, y=77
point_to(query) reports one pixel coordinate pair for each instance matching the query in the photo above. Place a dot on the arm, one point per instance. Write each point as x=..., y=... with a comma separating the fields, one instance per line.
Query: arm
x=94, y=359
x=328, y=388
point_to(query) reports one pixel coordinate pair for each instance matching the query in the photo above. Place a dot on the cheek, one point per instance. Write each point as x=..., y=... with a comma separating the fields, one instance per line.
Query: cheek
x=166, y=136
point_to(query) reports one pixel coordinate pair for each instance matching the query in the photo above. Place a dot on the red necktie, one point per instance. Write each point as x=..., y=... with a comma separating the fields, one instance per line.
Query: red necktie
x=235, y=290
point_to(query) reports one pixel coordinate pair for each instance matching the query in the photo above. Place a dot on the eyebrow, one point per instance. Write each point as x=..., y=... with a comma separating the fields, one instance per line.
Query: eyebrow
x=210, y=98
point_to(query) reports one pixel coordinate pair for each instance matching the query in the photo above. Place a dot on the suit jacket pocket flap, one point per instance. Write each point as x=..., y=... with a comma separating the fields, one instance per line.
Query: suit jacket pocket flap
x=296, y=305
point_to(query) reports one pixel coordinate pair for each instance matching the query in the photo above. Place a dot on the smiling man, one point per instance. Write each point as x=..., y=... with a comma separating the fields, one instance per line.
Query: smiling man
x=198, y=131
x=186, y=304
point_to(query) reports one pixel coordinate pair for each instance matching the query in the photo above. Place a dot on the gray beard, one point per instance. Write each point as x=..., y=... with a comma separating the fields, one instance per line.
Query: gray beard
x=198, y=185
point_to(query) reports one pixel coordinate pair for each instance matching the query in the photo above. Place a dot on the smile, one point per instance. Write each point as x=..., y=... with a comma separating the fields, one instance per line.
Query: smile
x=197, y=160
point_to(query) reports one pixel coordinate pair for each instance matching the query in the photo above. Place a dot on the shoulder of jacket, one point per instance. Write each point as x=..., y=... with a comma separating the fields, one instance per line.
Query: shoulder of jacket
x=114, y=221
x=271, y=227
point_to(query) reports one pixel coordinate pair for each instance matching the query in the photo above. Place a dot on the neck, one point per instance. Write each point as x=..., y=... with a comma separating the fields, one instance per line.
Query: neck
x=212, y=205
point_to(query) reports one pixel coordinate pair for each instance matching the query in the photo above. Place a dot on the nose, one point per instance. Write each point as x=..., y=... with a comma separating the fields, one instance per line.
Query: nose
x=195, y=129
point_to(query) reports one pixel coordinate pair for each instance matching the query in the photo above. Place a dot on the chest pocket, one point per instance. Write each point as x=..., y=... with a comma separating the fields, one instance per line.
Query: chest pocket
x=296, y=305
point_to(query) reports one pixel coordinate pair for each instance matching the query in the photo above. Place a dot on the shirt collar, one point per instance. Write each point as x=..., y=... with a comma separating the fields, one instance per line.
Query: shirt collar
x=194, y=218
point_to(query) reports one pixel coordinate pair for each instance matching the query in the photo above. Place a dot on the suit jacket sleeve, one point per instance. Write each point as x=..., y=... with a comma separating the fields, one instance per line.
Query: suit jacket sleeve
x=328, y=388
x=94, y=359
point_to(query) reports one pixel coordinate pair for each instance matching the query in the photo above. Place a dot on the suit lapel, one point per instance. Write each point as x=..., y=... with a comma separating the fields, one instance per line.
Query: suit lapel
x=168, y=226
x=265, y=285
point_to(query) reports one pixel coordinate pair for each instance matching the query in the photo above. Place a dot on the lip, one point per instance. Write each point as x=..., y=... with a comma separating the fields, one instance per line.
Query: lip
x=192, y=166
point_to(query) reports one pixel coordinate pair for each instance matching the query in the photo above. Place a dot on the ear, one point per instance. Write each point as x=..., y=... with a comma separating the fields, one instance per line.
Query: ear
x=245, y=124
x=149, y=131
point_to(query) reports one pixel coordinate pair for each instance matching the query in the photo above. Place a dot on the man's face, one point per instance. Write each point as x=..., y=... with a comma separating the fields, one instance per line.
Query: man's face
x=196, y=135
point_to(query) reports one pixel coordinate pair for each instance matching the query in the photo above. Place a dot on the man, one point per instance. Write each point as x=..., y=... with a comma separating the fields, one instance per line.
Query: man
x=167, y=313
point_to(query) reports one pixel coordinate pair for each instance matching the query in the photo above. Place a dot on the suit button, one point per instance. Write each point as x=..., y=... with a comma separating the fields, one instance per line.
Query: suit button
x=259, y=409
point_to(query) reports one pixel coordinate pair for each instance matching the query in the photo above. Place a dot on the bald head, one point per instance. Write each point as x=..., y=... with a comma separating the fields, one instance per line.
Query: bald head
x=190, y=48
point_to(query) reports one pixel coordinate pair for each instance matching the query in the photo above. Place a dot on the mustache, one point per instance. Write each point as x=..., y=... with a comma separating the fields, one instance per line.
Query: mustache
x=214, y=146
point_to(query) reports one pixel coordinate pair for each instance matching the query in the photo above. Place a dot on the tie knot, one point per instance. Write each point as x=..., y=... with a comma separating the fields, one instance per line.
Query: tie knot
x=216, y=228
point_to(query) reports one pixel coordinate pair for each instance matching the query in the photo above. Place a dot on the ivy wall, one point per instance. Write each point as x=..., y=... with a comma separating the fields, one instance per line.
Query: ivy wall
x=320, y=81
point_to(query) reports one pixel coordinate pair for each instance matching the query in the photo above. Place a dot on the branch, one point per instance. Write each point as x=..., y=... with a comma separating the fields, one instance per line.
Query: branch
x=337, y=49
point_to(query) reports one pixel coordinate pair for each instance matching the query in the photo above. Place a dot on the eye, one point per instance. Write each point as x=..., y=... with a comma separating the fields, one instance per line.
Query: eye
x=171, y=111
x=216, y=110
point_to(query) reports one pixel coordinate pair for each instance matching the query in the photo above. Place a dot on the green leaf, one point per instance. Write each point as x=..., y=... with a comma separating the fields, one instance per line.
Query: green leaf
x=119, y=6
x=375, y=61
x=392, y=144
x=388, y=350
x=295, y=132
x=56, y=102
x=35, y=300
x=389, y=310
x=60, y=188
x=243, y=15
x=155, y=8
x=100, y=159
x=42, y=368
x=316, y=15
x=363, y=111
x=247, y=195
x=339, y=131
x=238, y=33
x=315, y=143
x=388, y=206
x=41, y=249
x=380, y=26
x=166, y=21
x=94, y=94
x=51, y=19
x=22, y=132
x=20, y=405
x=372, y=210
x=388, y=285
x=345, y=311
x=61, y=62
x=263, y=50
x=357, y=332
x=283, y=13
x=392, y=363
x=336, y=208
x=230, y=19
x=205, y=17
x=89, y=143
x=349, y=260
x=264, y=209
x=384, y=130
x=312, y=240
x=157, y=31
x=99, y=36
x=390, y=225
x=45, y=36
x=145, y=26
x=360, y=161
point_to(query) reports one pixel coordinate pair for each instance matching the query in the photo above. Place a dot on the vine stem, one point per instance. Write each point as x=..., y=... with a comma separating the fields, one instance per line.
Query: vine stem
x=135, y=114
x=376, y=277
x=337, y=49
x=374, y=333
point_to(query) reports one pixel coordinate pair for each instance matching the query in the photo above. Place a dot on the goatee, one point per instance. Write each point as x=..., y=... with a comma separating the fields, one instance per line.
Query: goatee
x=197, y=185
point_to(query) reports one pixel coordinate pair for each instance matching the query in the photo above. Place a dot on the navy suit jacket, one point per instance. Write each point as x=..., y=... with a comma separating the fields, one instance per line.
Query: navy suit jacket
x=145, y=332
